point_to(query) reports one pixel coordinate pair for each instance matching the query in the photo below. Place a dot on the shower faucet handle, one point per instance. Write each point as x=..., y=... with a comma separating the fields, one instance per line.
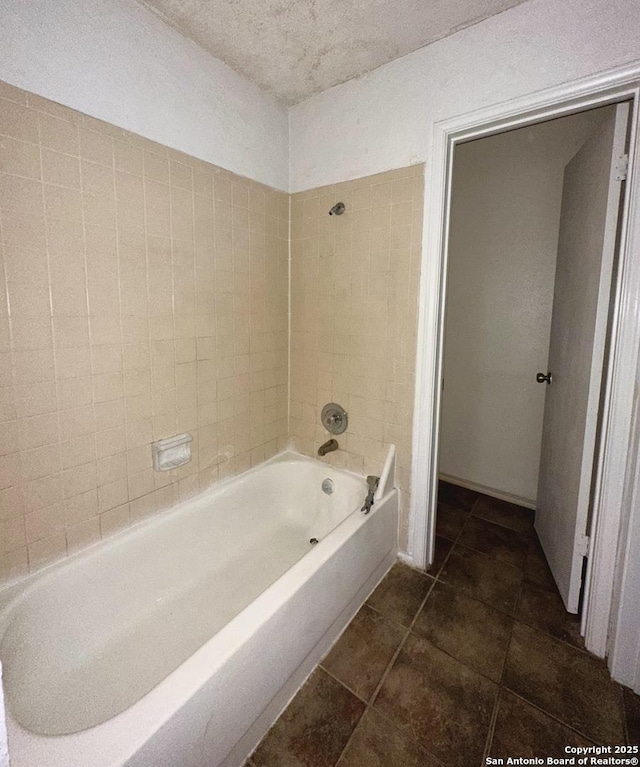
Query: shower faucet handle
x=372, y=483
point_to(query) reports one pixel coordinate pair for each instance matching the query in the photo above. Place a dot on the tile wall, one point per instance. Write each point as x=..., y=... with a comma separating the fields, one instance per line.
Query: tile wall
x=143, y=293
x=354, y=288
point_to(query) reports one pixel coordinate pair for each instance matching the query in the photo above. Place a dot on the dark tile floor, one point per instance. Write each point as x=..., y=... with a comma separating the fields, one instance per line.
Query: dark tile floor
x=476, y=658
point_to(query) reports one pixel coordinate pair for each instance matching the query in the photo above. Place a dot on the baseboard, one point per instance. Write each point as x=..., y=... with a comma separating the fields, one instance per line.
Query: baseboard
x=490, y=491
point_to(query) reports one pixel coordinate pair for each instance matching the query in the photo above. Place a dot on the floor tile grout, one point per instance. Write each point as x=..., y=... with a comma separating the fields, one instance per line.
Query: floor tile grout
x=500, y=685
x=470, y=512
x=374, y=695
x=496, y=704
x=523, y=580
x=546, y=713
x=344, y=684
x=492, y=725
x=559, y=640
x=484, y=553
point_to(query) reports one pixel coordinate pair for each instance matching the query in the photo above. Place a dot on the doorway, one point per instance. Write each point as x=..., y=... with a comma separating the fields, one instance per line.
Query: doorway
x=609, y=493
x=534, y=215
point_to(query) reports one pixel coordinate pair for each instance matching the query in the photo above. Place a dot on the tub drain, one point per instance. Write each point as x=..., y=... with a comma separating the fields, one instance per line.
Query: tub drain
x=313, y=541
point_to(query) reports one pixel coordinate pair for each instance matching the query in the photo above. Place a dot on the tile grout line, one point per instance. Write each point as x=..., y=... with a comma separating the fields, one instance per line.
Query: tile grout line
x=494, y=711
x=522, y=581
x=545, y=633
x=344, y=684
x=503, y=686
x=492, y=725
x=500, y=686
x=496, y=703
x=374, y=695
x=548, y=714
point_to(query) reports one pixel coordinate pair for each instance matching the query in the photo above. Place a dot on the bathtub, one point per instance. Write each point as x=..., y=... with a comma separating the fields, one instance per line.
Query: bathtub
x=178, y=642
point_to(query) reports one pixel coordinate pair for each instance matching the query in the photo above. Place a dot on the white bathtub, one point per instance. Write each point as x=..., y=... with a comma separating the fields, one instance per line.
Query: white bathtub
x=179, y=641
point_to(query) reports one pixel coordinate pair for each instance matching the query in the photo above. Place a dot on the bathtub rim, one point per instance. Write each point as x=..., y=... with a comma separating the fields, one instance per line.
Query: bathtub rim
x=13, y=591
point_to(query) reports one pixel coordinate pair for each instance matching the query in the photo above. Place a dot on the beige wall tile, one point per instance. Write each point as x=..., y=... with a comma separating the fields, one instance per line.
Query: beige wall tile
x=39, y=430
x=96, y=147
x=20, y=195
x=113, y=494
x=53, y=109
x=80, y=479
x=73, y=393
x=108, y=387
x=40, y=462
x=30, y=333
x=109, y=414
x=137, y=307
x=7, y=402
x=23, y=231
x=76, y=451
x=12, y=534
x=114, y=520
x=33, y=366
x=156, y=168
x=60, y=169
x=44, y=522
x=47, y=550
x=368, y=250
x=29, y=299
x=74, y=362
x=14, y=564
x=107, y=329
x=17, y=121
x=43, y=492
x=81, y=507
x=76, y=421
x=98, y=194
x=128, y=158
x=19, y=157
x=70, y=332
x=110, y=441
x=83, y=534
x=11, y=503
x=35, y=399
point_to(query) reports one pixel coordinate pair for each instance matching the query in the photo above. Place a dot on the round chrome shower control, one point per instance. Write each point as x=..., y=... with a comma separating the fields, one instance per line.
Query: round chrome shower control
x=334, y=418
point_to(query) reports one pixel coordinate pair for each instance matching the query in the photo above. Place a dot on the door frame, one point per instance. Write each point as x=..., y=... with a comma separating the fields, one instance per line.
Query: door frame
x=608, y=511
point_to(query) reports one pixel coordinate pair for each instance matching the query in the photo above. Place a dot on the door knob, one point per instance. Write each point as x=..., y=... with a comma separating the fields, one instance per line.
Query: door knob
x=541, y=378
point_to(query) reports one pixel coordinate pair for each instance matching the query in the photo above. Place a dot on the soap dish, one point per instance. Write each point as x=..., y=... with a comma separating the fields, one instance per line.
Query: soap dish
x=171, y=452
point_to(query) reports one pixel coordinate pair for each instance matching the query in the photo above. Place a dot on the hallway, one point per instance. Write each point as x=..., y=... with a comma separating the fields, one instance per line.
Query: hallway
x=476, y=658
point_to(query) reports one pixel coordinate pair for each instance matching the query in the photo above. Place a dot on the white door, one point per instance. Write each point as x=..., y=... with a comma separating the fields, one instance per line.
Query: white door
x=588, y=223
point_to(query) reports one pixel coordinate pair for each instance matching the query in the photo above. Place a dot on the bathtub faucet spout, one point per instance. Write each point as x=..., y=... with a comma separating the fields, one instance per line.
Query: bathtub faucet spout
x=372, y=482
x=329, y=445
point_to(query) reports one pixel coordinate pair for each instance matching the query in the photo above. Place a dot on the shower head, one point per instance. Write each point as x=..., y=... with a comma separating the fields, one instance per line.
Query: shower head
x=337, y=210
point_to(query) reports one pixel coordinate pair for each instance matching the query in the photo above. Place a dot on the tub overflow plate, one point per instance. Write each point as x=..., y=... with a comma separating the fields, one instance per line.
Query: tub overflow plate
x=327, y=486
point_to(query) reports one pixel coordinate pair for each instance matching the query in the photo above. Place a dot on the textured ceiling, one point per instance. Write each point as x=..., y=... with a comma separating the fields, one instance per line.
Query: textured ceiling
x=295, y=48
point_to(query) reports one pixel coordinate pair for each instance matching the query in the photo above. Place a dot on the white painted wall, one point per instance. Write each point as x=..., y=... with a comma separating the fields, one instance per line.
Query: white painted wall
x=384, y=119
x=114, y=60
x=505, y=214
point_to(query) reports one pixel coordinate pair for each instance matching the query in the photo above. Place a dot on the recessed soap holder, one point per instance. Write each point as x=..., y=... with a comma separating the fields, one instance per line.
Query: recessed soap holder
x=171, y=452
